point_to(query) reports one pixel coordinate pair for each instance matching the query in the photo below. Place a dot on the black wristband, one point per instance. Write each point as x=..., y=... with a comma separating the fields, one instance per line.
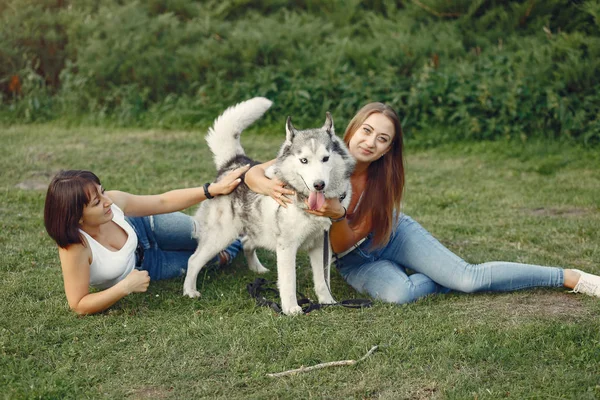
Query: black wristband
x=343, y=217
x=206, y=192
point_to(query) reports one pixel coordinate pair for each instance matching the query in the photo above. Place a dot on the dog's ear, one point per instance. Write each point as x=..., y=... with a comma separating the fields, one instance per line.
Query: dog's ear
x=290, y=131
x=328, y=123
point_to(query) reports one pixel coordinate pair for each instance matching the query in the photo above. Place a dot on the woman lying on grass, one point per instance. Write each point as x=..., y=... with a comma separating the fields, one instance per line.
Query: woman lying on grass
x=376, y=244
x=117, y=242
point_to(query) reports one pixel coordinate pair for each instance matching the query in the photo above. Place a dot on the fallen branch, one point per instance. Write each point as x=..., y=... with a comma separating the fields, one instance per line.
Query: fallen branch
x=322, y=365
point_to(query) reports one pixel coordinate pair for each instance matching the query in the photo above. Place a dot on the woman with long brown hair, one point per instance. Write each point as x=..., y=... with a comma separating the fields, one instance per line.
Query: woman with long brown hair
x=375, y=243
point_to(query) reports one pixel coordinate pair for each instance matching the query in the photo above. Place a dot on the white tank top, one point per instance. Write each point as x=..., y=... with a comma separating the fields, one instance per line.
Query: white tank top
x=109, y=267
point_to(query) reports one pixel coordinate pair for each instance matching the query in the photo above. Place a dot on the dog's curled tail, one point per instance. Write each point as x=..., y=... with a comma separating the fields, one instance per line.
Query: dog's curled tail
x=224, y=137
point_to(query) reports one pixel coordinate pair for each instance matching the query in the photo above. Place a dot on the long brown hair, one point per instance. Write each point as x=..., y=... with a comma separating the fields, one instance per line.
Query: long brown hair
x=385, y=178
x=68, y=193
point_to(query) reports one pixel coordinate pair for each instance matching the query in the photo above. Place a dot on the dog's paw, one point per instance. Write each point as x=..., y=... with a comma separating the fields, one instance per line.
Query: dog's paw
x=259, y=269
x=324, y=295
x=191, y=293
x=326, y=299
x=294, y=310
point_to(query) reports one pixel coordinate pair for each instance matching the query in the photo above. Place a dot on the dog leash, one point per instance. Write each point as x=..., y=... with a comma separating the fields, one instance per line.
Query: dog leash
x=349, y=303
x=261, y=287
x=326, y=264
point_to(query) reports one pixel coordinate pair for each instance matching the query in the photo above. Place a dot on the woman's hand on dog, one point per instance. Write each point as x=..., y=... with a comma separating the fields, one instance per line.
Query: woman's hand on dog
x=279, y=193
x=228, y=182
x=331, y=208
x=259, y=183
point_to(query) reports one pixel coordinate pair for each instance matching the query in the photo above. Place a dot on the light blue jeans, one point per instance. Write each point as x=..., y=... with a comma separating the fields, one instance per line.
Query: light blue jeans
x=382, y=272
x=168, y=243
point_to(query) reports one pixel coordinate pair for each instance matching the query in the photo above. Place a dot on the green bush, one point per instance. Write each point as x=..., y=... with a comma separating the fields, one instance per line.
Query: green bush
x=478, y=69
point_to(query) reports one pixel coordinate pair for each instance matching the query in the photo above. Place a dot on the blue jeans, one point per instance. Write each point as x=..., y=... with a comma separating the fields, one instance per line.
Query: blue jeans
x=382, y=272
x=168, y=243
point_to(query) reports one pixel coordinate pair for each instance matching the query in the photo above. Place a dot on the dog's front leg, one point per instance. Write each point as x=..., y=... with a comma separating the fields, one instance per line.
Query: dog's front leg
x=286, y=277
x=320, y=281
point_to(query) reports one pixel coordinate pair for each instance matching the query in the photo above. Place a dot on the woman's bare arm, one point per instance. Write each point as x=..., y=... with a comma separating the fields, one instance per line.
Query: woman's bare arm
x=174, y=200
x=75, y=262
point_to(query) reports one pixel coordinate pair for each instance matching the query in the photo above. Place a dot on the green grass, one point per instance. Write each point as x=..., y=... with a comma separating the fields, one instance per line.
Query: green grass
x=535, y=203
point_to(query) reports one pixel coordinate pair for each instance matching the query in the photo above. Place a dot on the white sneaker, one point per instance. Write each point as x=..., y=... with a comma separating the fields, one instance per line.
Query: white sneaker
x=588, y=284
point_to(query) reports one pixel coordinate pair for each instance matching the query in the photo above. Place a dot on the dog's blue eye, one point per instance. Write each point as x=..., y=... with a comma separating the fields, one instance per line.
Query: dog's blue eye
x=325, y=159
x=304, y=161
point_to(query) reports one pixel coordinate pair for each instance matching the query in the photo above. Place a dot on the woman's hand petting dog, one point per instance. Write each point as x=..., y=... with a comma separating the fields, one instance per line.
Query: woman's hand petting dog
x=259, y=183
x=279, y=193
x=228, y=182
x=331, y=208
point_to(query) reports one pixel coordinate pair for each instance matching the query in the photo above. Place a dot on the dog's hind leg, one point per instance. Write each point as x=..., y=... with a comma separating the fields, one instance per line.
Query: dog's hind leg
x=250, y=253
x=286, y=277
x=206, y=250
x=320, y=280
x=195, y=264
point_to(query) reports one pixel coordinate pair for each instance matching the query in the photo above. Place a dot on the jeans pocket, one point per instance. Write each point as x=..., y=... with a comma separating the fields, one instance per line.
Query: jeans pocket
x=363, y=253
x=364, y=249
x=355, y=258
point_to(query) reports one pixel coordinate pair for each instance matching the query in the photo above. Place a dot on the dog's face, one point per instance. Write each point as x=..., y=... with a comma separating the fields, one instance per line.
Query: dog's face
x=313, y=162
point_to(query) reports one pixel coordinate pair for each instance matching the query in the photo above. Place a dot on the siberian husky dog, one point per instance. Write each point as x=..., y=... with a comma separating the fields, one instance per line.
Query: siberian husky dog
x=314, y=163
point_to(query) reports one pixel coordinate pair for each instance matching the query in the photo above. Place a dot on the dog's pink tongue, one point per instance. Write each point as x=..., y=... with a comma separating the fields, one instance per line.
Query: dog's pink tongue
x=316, y=200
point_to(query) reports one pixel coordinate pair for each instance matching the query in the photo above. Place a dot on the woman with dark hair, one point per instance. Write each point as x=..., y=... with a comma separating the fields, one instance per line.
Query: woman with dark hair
x=116, y=241
x=375, y=243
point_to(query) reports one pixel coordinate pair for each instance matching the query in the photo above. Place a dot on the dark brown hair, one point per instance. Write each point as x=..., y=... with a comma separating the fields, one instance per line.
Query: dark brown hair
x=68, y=193
x=385, y=178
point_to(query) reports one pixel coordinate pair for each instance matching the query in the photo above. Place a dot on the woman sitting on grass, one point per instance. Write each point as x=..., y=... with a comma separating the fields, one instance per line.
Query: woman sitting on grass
x=117, y=242
x=376, y=244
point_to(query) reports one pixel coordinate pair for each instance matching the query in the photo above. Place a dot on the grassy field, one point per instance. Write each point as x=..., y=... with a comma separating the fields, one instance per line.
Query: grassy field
x=534, y=202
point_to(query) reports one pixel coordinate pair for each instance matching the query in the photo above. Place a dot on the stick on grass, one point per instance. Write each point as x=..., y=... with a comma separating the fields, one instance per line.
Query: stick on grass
x=322, y=365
